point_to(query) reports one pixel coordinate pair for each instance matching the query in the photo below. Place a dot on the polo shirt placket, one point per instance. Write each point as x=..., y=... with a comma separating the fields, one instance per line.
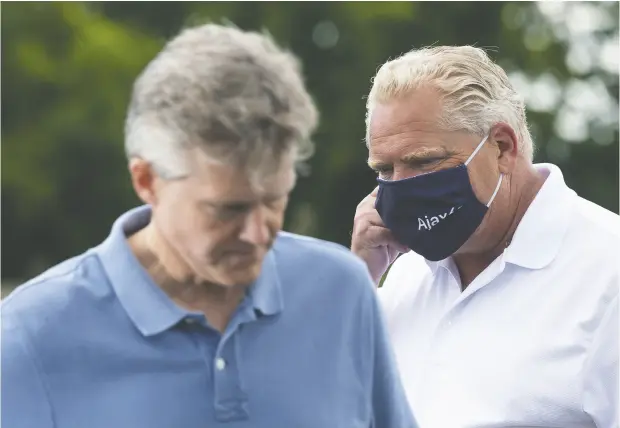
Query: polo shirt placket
x=220, y=353
x=230, y=398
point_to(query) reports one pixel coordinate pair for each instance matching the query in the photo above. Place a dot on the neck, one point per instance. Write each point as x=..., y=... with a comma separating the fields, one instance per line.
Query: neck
x=471, y=264
x=174, y=277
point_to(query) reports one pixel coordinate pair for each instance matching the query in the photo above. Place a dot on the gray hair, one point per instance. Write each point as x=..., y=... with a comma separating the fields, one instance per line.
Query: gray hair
x=236, y=95
x=476, y=92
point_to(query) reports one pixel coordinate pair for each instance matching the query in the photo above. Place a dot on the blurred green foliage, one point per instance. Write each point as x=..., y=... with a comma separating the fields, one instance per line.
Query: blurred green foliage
x=67, y=71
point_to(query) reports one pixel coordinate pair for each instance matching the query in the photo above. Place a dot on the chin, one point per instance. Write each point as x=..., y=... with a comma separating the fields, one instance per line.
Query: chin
x=228, y=271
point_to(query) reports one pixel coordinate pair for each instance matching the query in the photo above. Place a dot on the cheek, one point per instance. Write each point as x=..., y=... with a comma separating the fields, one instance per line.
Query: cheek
x=204, y=245
x=401, y=172
x=204, y=235
x=483, y=181
x=186, y=227
x=478, y=185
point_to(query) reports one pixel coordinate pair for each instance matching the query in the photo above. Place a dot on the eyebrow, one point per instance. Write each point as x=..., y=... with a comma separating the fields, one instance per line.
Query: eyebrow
x=417, y=158
x=378, y=165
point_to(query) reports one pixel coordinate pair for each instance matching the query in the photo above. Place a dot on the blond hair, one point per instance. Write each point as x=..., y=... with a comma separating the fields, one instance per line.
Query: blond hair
x=476, y=92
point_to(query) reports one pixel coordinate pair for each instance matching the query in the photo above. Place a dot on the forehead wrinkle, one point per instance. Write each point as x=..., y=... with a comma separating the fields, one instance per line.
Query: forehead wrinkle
x=401, y=133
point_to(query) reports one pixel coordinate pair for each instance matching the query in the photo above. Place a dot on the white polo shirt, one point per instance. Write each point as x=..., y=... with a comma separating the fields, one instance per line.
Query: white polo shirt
x=532, y=341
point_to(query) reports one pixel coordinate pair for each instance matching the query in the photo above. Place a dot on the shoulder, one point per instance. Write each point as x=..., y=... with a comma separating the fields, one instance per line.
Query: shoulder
x=592, y=251
x=595, y=219
x=54, y=297
x=594, y=232
x=48, y=288
x=319, y=260
x=297, y=248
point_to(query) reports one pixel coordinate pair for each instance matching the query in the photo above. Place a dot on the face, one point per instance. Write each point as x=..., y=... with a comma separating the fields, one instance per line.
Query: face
x=218, y=223
x=406, y=140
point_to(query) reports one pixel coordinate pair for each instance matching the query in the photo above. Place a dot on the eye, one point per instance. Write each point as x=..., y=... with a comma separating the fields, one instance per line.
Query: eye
x=236, y=208
x=383, y=173
x=232, y=211
x=425, y=163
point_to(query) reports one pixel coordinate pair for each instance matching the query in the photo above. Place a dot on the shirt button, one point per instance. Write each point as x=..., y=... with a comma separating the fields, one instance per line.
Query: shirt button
x=220, y=364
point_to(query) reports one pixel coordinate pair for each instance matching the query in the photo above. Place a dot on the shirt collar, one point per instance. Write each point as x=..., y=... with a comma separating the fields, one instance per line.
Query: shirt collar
x=148, y=306
x=540, y=232
x=265, y=292
x=539, y=235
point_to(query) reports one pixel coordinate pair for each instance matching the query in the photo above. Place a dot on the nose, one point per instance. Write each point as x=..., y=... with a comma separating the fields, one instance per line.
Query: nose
x=255, y=230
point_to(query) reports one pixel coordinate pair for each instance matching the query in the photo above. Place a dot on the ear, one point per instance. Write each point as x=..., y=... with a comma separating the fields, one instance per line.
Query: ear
x=508, y=146
x=143, y=179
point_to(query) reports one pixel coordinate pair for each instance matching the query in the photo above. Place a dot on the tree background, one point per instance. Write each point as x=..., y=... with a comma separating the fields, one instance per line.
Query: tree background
x=67, y=71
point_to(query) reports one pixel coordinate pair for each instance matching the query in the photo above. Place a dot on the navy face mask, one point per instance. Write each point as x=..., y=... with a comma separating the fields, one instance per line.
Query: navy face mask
x=434, y=214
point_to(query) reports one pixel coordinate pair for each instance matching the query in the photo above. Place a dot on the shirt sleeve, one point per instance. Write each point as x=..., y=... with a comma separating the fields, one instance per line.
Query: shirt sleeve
x=24, y=399
x=600, y=399
x=390, y=406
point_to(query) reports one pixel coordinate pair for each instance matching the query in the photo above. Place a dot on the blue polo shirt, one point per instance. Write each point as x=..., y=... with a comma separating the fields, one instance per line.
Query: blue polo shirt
x=94, y=343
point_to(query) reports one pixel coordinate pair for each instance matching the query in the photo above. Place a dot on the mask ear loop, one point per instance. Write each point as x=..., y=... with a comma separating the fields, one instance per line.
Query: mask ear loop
x=496, y=189
x=476, y=151
x=501, y=176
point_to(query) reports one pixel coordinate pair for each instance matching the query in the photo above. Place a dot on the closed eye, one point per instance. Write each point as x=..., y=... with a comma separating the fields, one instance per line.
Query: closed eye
x=228, y=211
x=236, y=208
x=384, y=173
x=381, y=169
x=424, y=162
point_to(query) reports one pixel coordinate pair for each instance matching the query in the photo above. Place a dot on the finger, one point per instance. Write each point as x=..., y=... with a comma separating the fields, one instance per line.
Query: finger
x=377, y=236
x=368, y=215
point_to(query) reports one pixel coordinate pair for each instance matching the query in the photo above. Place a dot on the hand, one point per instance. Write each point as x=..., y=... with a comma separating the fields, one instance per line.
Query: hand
x=371, y=240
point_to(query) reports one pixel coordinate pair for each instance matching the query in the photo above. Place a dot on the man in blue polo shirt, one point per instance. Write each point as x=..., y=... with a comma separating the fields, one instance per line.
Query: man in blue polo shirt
x=197, y=311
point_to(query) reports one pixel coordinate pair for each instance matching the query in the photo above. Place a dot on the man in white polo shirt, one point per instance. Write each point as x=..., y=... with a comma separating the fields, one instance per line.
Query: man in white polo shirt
x=503, y=309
